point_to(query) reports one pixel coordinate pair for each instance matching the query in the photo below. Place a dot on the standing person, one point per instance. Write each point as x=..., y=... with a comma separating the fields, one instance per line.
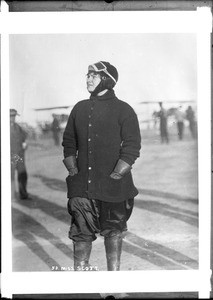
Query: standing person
x=18, y=146
x=180, y=116
x=162, y=114
x=55, y=126
x=190, y=116
x=101, y=143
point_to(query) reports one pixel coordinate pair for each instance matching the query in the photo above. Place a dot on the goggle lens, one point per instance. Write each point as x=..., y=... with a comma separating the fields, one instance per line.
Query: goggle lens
x=100, y=66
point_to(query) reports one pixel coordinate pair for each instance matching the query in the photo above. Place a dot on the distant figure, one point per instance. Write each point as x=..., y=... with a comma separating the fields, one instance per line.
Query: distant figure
x=155, y=118
x=180, y=116
x=18, y=146
x=162, y=114
x=55, y=127
x=190, y=116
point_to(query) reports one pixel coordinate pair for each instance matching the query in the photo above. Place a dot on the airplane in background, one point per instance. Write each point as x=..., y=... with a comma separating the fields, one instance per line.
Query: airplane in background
x=45, y=114
x=153, y=106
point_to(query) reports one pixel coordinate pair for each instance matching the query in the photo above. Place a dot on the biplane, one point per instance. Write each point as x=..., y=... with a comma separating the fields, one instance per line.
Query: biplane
x=45, y=114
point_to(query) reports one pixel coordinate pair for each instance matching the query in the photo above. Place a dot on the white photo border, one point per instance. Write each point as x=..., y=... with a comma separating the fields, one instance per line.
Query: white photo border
x=198, y=22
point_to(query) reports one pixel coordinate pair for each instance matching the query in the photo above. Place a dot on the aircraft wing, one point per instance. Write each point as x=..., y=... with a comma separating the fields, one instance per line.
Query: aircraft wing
x=52, y=108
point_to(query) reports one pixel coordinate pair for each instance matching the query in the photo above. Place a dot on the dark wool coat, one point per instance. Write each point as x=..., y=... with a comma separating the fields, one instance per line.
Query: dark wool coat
x=100, y=130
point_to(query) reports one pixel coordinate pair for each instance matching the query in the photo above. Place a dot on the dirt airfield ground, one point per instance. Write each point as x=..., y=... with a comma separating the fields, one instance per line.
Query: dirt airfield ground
x=162, y=231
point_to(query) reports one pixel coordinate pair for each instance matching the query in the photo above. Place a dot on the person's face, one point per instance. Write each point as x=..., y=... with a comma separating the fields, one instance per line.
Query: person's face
x=93, y=80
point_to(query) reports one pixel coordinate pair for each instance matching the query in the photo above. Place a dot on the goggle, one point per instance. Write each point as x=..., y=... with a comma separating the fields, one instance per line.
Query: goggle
x=100, y=67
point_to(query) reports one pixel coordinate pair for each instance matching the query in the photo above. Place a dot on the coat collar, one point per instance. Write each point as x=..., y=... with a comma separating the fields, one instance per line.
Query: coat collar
x=108, y=95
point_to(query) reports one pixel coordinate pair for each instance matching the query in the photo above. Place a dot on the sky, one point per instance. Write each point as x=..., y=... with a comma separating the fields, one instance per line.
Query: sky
x=49, y=69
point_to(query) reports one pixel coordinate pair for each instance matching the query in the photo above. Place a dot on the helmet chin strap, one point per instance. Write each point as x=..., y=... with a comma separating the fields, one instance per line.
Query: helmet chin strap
x=99, y=88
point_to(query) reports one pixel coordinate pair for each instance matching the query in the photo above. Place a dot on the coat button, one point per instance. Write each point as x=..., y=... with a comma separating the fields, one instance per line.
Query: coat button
x=90, y=168
x=90, y=124
x=89, y=139
x=89, y=181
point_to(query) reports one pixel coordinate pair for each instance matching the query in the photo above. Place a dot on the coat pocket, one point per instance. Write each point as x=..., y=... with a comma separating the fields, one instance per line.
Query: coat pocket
x=73, y=183
x=111, y=187
x=119, y=188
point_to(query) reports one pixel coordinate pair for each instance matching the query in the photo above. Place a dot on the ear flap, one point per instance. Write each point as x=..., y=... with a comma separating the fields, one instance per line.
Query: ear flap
x=108, y=83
